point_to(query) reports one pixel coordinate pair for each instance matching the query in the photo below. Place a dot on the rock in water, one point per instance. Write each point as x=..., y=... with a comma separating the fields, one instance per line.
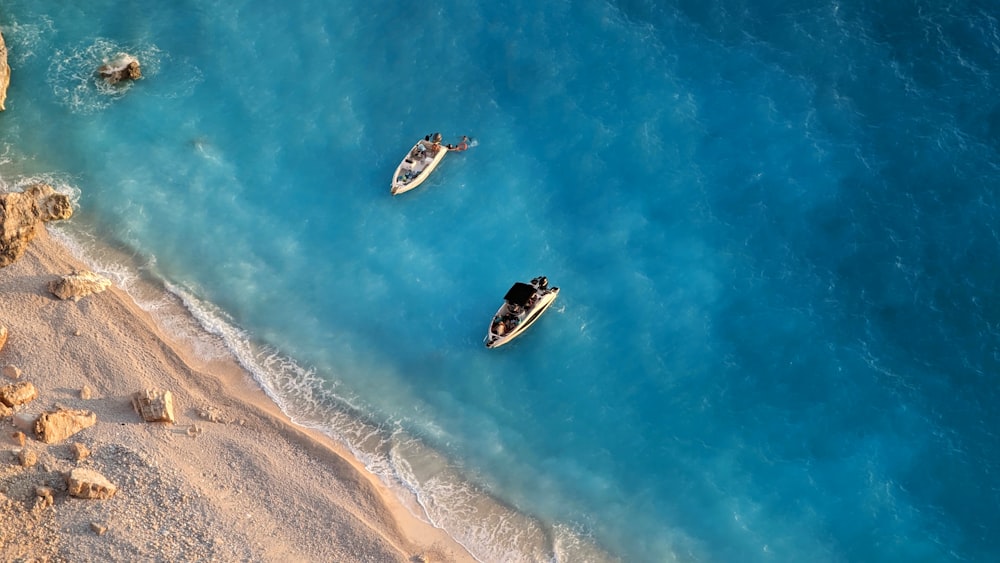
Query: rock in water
x=4, y=73
x=87, y=483
x=122, y=67
x=56, y=426
x=78, y=285
x=21, y=217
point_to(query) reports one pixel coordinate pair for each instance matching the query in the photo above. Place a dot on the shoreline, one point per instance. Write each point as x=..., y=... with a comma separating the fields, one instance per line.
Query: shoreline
x=482, y=524
x=248, y=484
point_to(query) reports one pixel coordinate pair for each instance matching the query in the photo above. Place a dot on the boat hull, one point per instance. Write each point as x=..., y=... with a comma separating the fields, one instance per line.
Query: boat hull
x=416, y=167
x=545, y=300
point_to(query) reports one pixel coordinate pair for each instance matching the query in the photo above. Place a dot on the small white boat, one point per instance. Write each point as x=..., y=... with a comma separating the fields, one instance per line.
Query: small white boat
x=418, y=164
x=522, y=306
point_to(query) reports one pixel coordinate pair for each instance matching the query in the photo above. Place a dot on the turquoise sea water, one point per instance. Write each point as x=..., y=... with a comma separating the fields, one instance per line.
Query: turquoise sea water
x=773, y=224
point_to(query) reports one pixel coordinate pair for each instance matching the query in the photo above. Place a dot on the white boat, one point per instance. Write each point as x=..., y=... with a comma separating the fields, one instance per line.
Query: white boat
x=522, y=305
x=418, y=164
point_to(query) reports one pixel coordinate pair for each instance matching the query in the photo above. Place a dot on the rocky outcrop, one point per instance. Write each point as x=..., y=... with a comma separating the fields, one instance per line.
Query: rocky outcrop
x=78, y=285
x=56, y=426
x=4, y=73
x=22, y=215
x=87, y=483
x=122, y=67
x=3, y=336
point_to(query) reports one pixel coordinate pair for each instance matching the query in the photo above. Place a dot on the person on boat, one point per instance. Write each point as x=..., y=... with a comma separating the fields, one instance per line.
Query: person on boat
x=461, y=146
x=432, y=142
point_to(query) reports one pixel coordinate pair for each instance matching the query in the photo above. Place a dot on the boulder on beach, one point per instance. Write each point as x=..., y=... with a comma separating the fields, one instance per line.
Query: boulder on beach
x=22, y=215
x=154, y=405
x=18, y=393
x=56, y=426
x=78, y=285
x=87, y=483
x=27, y=458
x=122, y=67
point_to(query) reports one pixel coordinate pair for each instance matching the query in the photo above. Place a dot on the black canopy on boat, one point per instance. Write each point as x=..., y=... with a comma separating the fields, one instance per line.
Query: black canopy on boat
x=519, y=294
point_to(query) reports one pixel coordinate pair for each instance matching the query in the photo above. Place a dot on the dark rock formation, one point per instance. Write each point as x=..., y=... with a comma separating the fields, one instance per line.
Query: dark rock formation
x=123, y=67
x=4, y=73
x=22, y=215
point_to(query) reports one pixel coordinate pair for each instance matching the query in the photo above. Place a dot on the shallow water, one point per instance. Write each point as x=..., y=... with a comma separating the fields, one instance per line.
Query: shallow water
x=771, y=223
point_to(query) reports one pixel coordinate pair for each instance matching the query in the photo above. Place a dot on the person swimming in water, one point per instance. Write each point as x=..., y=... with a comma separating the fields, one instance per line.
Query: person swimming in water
x=461, y=146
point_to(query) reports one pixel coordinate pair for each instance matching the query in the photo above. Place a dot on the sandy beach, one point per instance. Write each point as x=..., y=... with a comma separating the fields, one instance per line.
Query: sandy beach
x=232, y=480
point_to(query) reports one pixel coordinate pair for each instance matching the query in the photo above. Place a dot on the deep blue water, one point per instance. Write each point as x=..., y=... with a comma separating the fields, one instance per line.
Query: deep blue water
x=772, y=223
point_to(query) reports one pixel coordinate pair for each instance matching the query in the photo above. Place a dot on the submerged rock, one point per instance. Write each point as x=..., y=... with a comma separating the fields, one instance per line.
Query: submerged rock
x=22, y=215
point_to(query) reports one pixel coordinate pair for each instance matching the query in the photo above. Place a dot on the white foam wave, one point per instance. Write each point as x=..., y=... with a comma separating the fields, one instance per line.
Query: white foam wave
x=22, y=38
x=75, y=82
x=432, y=487
x=59, y=183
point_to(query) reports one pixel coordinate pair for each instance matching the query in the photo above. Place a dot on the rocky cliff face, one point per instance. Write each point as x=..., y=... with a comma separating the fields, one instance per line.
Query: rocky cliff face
x=22, y=215
x=4, y=73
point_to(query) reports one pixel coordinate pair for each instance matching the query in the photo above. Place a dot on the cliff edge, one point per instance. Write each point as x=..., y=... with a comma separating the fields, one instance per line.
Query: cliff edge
x=4, y=73
x=21, y=217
